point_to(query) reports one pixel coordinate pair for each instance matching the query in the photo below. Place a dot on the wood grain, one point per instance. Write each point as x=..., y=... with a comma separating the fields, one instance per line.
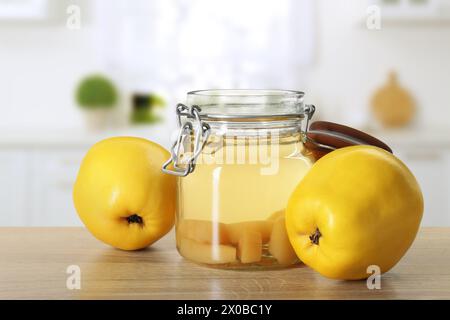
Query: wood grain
x=33, y=264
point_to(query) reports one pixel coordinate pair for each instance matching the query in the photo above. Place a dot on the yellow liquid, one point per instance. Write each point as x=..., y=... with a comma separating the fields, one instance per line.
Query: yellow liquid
x=236, y=192
x=236, y=187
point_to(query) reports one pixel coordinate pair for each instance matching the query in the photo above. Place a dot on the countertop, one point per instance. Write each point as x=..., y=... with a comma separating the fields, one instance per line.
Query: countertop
x=34, y=264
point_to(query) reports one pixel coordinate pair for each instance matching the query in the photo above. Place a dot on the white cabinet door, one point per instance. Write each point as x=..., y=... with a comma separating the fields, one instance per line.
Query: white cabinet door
x=54, y=173
x=14, y=194
x=430, y=166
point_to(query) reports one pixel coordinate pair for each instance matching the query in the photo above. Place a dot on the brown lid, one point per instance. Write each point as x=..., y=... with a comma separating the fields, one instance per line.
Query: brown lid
x=324, y=137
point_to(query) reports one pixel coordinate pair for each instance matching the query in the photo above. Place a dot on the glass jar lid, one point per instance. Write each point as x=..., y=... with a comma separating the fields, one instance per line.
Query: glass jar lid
x=247, y=105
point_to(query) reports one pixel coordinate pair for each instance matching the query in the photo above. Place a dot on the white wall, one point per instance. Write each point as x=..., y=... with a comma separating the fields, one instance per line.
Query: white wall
x=40, y=65
x=353, y=61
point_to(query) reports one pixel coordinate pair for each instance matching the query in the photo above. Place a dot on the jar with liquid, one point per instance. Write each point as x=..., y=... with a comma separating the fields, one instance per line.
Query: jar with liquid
x=239, y=155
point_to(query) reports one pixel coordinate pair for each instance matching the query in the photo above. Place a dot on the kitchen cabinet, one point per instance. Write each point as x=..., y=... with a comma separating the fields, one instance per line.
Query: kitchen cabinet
x=13, y=197
x=36, y=186
x=37, y=174
x=53, y=176
x=431, y=169
x=38, y=170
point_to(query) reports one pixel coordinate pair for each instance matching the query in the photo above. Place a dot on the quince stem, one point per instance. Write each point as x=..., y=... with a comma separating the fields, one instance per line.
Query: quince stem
x=134, y=219
x=315, y=236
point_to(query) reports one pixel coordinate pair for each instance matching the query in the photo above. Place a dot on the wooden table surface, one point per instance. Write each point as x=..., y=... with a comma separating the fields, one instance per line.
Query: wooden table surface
x=34, y=261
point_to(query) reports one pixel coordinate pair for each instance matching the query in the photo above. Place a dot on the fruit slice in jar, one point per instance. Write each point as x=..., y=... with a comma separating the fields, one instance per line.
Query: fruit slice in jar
x=202, y=231
x=276, y=215
x=279, y=246
x=206, y=253
x=250, y=247
x=237, y=230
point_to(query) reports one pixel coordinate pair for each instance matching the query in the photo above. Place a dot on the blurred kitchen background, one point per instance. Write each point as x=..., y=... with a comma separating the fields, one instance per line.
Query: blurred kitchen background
x=74, y=72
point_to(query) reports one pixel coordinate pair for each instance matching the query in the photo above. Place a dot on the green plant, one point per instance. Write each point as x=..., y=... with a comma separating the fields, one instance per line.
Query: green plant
x=96, y=91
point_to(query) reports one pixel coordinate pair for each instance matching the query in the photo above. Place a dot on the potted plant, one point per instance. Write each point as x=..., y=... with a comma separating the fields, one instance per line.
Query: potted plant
x=97, y=96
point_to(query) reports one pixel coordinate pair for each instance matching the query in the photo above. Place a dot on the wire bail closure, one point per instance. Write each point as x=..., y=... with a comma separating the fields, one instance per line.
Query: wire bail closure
x=193, y=126
x=309, y=111
x=200, y=131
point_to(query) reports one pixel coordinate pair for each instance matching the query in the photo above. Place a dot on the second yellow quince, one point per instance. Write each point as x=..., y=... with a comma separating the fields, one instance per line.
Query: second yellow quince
x=357, y=207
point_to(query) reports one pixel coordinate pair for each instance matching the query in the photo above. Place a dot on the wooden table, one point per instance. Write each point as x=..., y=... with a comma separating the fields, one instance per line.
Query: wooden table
x=34, y=261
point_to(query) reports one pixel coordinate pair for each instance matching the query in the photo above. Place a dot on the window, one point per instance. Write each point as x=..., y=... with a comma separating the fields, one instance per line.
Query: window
x=210, y=43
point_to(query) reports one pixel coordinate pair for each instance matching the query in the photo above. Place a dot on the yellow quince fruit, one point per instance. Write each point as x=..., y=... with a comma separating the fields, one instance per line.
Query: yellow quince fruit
x=358, y=206
x=121, y=194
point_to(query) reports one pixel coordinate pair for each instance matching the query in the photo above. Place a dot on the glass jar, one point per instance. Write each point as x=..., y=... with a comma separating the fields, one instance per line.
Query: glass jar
x=239, y=155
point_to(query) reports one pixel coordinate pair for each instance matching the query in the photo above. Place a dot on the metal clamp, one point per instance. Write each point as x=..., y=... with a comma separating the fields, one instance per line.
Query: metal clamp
x=309, y=110
x=194, y=126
